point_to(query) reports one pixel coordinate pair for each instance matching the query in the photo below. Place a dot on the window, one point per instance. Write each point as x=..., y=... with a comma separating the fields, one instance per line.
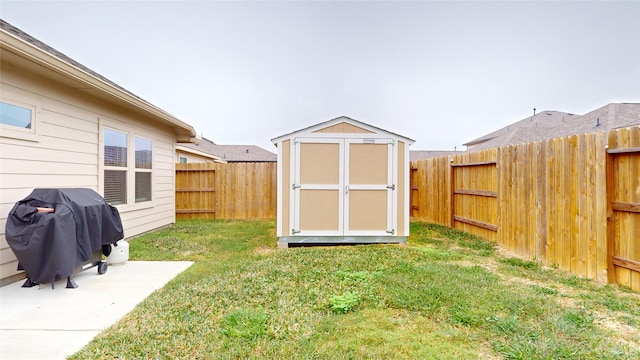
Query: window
x=18, y=118
x=144, y=154
x=15, y=115
x=115, y=166
x=183, y=160
x=127, y=174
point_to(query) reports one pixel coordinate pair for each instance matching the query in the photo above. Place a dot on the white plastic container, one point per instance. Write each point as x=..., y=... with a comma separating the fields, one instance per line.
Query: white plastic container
x=119, y=253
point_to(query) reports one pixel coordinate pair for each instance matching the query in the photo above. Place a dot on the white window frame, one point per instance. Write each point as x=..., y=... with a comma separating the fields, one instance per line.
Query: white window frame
x=142, y=170
x=130, y=203
x=15, y=132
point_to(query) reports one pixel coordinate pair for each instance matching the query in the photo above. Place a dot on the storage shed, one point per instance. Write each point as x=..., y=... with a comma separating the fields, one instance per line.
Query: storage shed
x=342, y=181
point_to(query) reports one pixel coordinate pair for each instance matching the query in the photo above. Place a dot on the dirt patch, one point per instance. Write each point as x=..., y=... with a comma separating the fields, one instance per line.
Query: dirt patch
x=508, y=253
x=626, y=334
x=488, y=264
x=264, y=250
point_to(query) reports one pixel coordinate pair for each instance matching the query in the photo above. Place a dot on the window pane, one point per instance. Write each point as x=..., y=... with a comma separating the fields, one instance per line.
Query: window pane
x=115, y=148
x=183, y=160
x=115, y=187
x=143, y=153
x=143, y=186
x=15, y=115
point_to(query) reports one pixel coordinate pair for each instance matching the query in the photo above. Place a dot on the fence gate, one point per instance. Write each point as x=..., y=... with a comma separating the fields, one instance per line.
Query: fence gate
x=195, y=191
x=474, y=203
x=623, y=215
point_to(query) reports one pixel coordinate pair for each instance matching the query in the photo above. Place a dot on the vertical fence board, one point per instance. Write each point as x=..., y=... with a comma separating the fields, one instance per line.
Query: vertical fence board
x=624, y=206
x=226, y=191
x=553, y=201
x=572, y=183
x=634, y=192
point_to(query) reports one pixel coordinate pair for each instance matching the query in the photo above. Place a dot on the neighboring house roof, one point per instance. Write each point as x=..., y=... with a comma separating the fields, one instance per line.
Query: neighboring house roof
x=553, y=124
x=18, y=46
x=342, y=119
x=233, y=153
x=428, y=154
x=542, y=119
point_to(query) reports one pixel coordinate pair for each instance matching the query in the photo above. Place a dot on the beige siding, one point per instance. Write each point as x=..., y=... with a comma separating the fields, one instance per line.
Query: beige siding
x=67, y=152
x=192, y=158
x=286, y=185
x=319, y=210
x=319, y=163
x=367, y=210
x=344, y=128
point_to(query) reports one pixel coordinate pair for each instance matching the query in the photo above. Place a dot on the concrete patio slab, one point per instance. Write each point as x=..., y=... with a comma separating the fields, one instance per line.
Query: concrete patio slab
x=45, y=323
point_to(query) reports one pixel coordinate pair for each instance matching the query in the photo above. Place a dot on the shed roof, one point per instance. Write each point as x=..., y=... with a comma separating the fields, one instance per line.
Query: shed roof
x=53, y=63
x=338, y=120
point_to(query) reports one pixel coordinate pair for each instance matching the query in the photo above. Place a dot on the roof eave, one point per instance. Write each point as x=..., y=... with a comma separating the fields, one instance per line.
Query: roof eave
x=339, y=119
x=184, y=131
x=197, y=152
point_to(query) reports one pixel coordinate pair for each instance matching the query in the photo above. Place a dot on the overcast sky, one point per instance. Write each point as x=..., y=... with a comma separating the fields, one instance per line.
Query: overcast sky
x=441, y=73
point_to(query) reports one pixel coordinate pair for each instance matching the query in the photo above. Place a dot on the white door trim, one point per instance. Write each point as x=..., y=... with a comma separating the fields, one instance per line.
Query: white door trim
x=297, y=186
x=391, y=181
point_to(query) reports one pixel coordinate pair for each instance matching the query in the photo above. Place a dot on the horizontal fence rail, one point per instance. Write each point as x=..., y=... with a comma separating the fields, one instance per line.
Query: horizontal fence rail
x=568, y=202
x=623, y=210
x=226, y=191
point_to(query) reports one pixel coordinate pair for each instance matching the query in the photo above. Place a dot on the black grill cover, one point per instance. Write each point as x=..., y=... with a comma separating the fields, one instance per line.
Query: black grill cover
x=51, y=246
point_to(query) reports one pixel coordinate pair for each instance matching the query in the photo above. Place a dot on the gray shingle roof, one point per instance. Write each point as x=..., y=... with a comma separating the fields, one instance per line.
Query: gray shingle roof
x=548, y=125
x=234, y=153
x=428, y=154
x=543, y=119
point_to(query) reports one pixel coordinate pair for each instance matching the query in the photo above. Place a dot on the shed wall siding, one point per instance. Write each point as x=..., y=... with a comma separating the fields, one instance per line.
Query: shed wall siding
x=67, y=152
x=359, y=220
x=286, y=185
x=344, y=128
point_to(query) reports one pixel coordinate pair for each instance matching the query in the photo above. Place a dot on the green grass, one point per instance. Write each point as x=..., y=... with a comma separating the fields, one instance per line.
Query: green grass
x=446, y=295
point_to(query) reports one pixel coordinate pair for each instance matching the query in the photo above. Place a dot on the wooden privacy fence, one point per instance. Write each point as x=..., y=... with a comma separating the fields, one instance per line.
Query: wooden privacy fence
x=568, y=201
x=623, y=206
x=226, y=191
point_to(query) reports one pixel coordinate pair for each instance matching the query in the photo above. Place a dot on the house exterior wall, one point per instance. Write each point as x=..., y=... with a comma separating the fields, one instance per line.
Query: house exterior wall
x=65, y=150
x=192, y=158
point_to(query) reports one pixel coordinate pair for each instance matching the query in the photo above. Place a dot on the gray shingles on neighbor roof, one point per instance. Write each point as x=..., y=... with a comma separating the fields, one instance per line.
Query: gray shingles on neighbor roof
x=428, y=154
x=234, y=153
x=553, y=124
x=543, y=119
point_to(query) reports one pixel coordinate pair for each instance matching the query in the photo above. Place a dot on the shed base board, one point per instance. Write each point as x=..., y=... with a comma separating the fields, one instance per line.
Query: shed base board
x=284, y=241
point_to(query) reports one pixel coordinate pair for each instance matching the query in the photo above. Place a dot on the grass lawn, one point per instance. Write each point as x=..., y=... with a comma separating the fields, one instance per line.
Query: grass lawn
x=446, y=295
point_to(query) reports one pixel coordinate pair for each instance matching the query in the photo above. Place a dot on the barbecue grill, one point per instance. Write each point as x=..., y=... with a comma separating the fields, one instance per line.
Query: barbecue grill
x=56, y=233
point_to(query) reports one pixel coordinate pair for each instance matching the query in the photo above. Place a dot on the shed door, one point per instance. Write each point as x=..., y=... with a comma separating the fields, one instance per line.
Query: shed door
x=318, y=185
x=343, y=187
x=369, y=187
